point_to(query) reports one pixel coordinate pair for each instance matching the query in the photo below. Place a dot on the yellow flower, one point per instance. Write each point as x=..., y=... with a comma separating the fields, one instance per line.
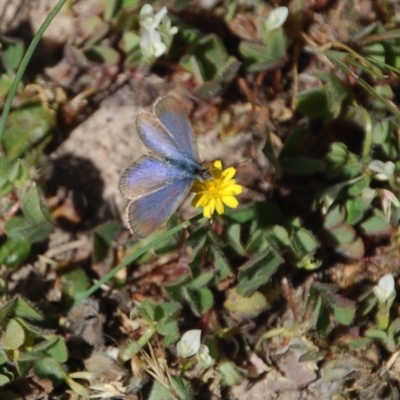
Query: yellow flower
x=220, y=189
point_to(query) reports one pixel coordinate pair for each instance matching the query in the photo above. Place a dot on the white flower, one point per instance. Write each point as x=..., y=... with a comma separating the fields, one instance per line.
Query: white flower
x=276, y=18
x=167, y=31
x=384, y=290
x=151, y=45
x=203, y=356
x=189, y=343
x=148, y=20
x=388, y=200
x=383, y=171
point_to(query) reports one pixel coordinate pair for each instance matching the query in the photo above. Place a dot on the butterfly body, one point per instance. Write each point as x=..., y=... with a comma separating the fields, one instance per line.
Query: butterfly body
x=156, y=184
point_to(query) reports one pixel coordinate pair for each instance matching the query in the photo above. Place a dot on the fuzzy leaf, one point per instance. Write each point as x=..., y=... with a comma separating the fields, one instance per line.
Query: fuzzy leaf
x=103, y=238
x=245, y=307
x=376, y=225
x=222, y=268
x=49, y=368
x=257, y=271
x=26, y=127
x=14, y=252
x=355, y=209
x=13, y=337
x=199, y=300
x=18, y=307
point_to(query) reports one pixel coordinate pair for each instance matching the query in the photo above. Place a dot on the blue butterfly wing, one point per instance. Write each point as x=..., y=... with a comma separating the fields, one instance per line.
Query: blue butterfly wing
x=148, y=175
x=157, y=138
x=145, y=214
x=174, y=117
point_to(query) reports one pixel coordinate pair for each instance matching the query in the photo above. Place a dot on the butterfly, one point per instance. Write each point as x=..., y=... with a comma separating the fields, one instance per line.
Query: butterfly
x=158, y=183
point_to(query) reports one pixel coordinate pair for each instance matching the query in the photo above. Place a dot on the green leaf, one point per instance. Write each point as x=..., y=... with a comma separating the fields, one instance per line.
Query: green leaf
x=32, y=331
x=74, y=283
x=376, y=333
x=323, y=321
x=18, y=227
x=103, y=54
x=281, y=236
x=257, y=242
x=4, y=380
x=103, y=238
x=245, y=307
x=14, y=252
x=12, y=51
x=394, y=327
x=381, y=132
x=111, y=9
x=161, y=311
x=6, y=82
x=360, y=343
x=49, y=368
x=18, y=173
x=257, y=271
x=334, y=217
x=343, y=309
x=34, y=207
x=222, y=267
x=313, y=103
x=13, y=336
x=160, y=392
x=214, y=87
x=208, y=58
x=344, y=316
x=5, y=184
x=199, y=300
x=55, y=349
x=240, y=216
x=342, y=163
x=131, y=46
x=304, y=241
x=19, y=307
x=376, y=225
x=26, y=127
x=261, y=57
x=342, y=234
x=231, y=373
x=202, y=280
x=233, y=236
x=355, y=208
x=358, y=186
x=169, y=329
x=353, y=250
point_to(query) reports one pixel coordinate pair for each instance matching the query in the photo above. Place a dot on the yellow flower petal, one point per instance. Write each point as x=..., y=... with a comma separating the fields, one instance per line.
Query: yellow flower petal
x=217, y=164
x=219, y=206
x=220, y=189
x=230, y=201
x=229, y=173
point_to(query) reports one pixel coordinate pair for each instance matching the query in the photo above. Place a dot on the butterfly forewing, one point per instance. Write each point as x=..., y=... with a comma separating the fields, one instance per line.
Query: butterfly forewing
x=157, y=138
x=147, y=213
x=148, y=175
x=174, y=117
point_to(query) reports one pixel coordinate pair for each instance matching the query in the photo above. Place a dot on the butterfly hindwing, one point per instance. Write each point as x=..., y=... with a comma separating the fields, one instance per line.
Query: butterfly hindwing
x=147, y=213
x=148, y=175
